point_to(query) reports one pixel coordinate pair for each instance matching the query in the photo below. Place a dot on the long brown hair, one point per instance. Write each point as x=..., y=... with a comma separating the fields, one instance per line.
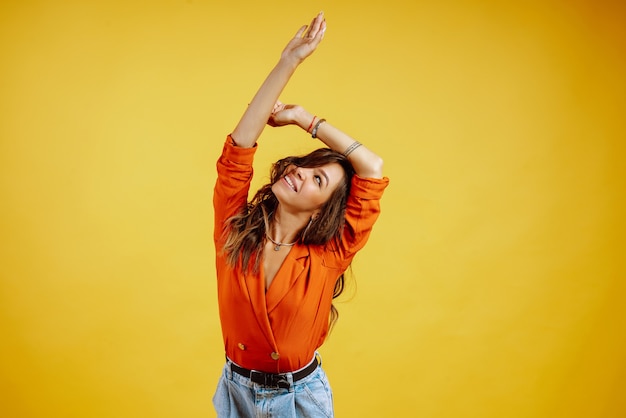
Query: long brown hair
x=245, y=233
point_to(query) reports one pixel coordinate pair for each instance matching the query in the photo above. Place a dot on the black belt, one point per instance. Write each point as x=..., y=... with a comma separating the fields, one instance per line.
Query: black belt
x=272, y=379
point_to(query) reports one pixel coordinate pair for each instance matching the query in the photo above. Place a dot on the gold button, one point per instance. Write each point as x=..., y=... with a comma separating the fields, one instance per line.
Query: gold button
x=241, y=346
x=275, y=355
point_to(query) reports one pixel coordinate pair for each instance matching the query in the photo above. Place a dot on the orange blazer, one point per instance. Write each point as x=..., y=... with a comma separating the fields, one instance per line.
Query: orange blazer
x=279, y=330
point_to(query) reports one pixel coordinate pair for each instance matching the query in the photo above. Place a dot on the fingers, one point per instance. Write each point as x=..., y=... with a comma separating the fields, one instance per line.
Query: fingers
x=313, y=26
x=278, y=106
x=316, y=26
x=322, y=30
x=314, y=41
x=300, y=32
x=306, y=39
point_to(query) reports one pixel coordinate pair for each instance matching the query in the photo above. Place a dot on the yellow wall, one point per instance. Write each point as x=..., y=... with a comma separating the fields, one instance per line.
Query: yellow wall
x=493, y=284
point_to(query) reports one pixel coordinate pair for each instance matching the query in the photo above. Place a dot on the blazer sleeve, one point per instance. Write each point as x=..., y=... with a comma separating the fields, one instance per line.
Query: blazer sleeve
x=362, y=211
x=234, y=173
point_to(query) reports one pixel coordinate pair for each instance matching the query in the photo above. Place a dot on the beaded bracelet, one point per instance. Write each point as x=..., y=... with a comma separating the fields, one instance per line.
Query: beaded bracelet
x=317, y=125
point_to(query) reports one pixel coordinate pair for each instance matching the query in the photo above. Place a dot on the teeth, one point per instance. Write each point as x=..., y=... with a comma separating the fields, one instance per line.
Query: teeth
x=288, y=180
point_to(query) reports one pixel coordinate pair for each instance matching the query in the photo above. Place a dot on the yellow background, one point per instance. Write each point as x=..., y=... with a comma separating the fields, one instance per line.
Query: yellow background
x=493, y=285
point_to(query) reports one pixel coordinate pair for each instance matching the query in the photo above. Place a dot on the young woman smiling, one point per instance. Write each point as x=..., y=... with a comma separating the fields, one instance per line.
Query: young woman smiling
x=281, y=256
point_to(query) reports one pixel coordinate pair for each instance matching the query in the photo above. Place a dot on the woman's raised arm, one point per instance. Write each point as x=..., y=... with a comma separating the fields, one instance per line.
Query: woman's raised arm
x=258, y=112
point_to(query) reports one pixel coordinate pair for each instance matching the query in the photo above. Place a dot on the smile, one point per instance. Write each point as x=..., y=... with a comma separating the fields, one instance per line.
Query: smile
x=290, y=183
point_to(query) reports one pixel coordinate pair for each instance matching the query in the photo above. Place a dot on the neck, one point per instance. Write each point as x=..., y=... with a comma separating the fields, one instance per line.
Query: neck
x=284, y=227
x=278, y=244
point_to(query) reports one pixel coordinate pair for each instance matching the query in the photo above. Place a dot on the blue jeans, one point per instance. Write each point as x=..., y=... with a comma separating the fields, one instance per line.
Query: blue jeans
x=236, y=397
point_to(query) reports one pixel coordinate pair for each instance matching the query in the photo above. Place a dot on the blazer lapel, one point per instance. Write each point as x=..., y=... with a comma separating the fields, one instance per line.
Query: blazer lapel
x=292, y=270
x=256, y=291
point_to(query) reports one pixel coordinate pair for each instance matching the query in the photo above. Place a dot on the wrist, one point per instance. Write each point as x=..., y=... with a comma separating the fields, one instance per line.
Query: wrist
x=289, y=62
x=304, y=119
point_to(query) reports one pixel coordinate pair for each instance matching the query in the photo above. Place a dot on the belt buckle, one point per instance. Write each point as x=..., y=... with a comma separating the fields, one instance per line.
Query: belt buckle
x=257, y=377
x=269, y=379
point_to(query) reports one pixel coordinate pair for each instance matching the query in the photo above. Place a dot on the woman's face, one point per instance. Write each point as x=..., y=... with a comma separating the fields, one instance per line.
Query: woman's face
x=303, y=189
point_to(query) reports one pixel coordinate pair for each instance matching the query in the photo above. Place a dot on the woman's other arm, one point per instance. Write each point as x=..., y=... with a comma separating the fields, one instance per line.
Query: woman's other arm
x=365, y=162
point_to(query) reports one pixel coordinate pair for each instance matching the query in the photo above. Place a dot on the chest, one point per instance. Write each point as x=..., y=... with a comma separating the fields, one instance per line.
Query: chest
x=272, y=262
x=298, y=280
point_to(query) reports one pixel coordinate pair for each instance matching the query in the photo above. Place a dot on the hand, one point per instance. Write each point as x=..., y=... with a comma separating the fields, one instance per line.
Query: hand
x=283, y=114
x=304, y=43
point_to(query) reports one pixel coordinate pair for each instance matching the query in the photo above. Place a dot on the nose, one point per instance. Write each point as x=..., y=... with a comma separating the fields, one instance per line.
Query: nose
x=301, y=173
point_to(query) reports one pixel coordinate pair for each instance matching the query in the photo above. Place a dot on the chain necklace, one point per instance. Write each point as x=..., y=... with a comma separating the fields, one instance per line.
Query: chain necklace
x=277, y=245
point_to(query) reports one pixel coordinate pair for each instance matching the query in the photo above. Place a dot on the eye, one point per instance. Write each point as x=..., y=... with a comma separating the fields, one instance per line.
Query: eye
x=318, y=180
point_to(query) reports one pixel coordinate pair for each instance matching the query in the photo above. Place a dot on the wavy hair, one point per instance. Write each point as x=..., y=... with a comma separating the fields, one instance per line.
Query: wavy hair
x=245, y=232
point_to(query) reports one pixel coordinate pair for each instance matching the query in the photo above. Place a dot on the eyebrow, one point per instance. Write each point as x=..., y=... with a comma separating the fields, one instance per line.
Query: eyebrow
x=325, y=176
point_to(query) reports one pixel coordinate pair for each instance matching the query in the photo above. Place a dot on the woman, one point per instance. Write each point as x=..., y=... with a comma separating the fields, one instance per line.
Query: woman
x=281, y=257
